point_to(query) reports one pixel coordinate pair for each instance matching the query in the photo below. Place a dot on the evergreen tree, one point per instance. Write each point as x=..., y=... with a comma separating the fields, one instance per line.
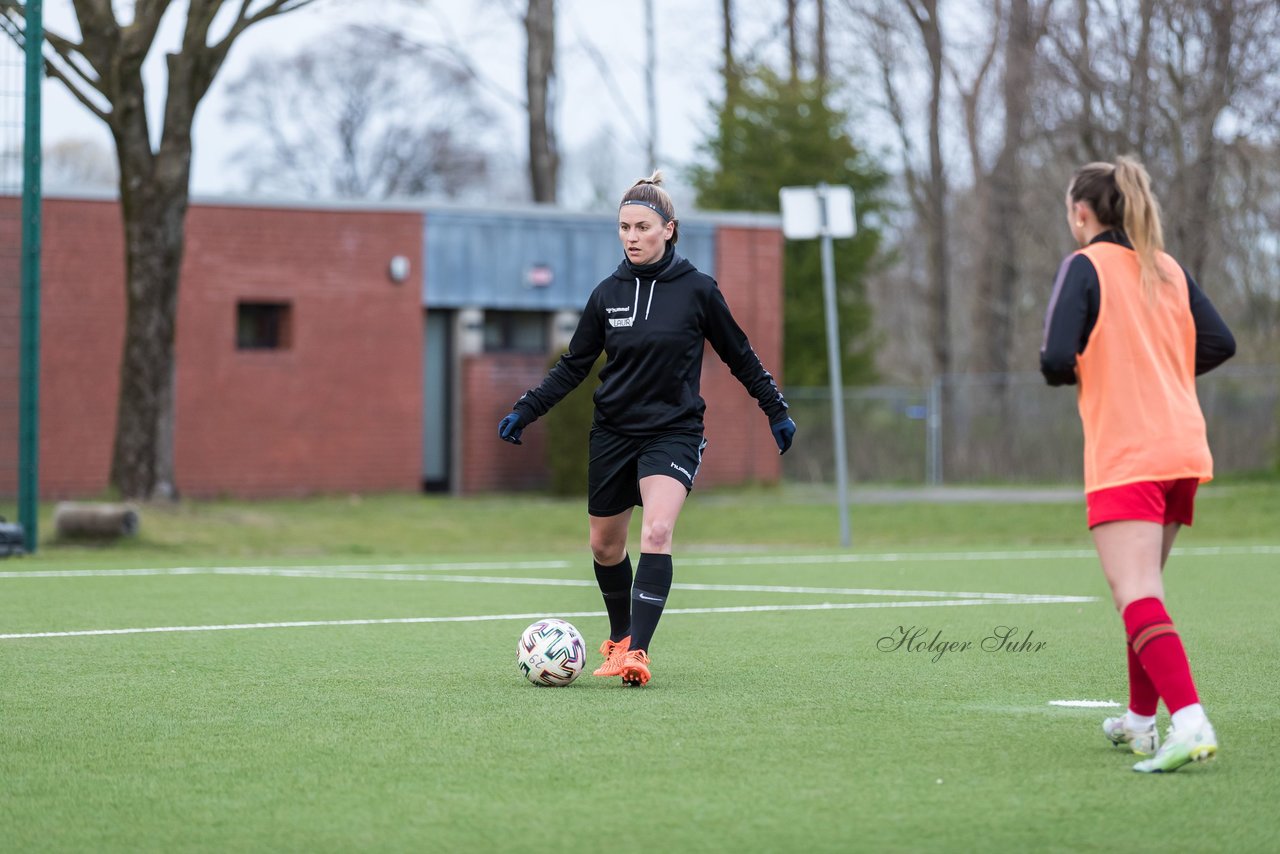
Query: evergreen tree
x=772, y=133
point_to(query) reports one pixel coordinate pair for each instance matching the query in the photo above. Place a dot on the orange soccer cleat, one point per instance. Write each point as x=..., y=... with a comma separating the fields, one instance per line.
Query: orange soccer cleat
x=635, y=667
x=613, y=653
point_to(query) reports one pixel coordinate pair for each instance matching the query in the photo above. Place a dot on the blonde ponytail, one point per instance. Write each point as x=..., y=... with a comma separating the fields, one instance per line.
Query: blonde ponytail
x=1142, y=221
x=656, y=178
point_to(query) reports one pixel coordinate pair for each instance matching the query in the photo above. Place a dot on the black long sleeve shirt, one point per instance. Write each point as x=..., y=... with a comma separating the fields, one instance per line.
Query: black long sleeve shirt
x=652, y=328
x=1073, y=312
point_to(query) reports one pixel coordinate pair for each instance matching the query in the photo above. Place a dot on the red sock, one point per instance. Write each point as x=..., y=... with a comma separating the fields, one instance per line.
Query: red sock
x=1143, y=696
x=1159, y=649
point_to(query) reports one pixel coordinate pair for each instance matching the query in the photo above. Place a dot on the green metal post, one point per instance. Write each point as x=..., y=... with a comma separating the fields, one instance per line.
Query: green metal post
x=29, y=392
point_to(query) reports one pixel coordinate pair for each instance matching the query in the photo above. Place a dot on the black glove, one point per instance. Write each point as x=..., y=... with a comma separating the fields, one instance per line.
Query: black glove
x=783, y=432
x=510, y=428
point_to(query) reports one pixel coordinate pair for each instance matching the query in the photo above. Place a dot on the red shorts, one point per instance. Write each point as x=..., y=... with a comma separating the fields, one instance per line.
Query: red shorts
x=1161, y=501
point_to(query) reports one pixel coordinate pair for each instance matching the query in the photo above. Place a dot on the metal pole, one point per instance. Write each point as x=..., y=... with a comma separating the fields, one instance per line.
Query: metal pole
x=934, y=427
x=833, y=369
x=651, y=82
x=29, y=382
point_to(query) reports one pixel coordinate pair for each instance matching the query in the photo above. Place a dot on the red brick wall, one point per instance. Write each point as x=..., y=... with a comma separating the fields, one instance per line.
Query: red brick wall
x=10, y=339
x=82, y=307
x=490, y=384
x=339, y=410
x=81, y=336
x=740, y=447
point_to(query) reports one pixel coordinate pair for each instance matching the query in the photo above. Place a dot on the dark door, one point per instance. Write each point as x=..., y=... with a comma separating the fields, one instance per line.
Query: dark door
x=437, y=411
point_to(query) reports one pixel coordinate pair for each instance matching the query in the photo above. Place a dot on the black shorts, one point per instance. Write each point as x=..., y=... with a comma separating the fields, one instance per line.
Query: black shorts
x=618, y=462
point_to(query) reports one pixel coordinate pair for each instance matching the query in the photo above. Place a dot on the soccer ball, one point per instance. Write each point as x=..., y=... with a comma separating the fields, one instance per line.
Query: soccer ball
x=551, y=652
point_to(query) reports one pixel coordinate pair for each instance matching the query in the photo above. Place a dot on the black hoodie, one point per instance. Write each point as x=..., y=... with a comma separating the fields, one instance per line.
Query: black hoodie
x=651, y=326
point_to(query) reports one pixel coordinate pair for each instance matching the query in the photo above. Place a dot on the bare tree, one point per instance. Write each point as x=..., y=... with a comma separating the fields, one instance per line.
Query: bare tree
x=1099, y=66
x=1088, y=87
x=1193, y=89
x=972, y=92
x=1183, y=84
x=1208, y=56
x=933, y=204
x=540, y=75
x=103, y=70
x=1034, y=88
x=793, y=40
x=1247, y=281
x=926, y=185
x=728, y=62
x=822, y=65
x=1001, y=267
x=367, y=115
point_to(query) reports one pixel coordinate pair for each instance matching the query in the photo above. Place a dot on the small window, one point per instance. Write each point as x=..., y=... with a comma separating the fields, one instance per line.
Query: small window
x=516, y=332
x=263, y=326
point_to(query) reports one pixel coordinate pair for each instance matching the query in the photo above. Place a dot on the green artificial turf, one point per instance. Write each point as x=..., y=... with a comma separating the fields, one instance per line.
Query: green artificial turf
x=411, y=527
x=789, y=730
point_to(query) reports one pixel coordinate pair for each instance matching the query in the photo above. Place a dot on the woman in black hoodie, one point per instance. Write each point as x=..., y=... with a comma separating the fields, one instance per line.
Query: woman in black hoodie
x=650, y=318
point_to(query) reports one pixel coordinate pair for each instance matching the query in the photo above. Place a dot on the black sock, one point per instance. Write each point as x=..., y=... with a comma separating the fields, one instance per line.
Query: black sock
x=615, y=587
x=648, y=597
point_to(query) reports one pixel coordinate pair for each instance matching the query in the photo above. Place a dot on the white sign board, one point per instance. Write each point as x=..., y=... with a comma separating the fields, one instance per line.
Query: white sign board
x=805, y=211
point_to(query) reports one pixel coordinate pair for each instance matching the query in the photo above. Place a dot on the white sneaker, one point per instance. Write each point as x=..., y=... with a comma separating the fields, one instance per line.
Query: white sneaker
x=1181, y=748
x=1143, y=742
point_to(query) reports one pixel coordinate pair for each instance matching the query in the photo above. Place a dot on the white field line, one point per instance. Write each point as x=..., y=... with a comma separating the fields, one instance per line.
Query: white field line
x=743, y=560
x=741, y=609
x=729, y=588
x=897, y=557
x=250, y=570
x=300, y=572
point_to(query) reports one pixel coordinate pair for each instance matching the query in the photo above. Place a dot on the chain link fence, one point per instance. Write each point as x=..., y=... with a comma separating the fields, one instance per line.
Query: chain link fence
x=1008, y=428
x=12, y=87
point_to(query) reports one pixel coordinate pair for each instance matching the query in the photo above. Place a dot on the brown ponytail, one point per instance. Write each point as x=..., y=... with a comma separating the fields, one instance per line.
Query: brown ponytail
x=1120, y=196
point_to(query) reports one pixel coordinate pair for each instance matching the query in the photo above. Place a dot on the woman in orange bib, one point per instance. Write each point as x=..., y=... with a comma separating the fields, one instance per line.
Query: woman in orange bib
x=1128, y=325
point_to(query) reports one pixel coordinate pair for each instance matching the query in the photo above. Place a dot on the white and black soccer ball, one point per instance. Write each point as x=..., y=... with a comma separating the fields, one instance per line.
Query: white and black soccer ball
x=551, y=652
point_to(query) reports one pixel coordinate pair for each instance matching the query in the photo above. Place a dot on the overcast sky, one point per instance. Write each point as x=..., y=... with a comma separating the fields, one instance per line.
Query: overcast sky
x=595, y=105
